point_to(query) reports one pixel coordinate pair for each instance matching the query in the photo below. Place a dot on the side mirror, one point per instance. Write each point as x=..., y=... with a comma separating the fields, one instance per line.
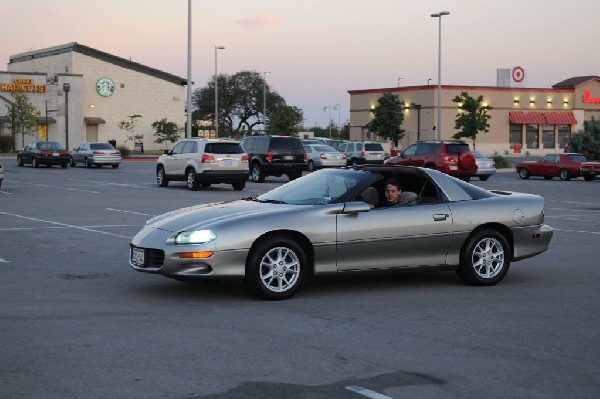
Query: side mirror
x=167, y=152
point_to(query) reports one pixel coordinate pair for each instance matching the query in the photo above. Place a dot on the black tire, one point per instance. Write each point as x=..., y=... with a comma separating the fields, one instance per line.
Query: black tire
x=589, y=178
x=239, y=185
x=64, y=165
x=115, y=165
x=311, y=166
x=465, y=178
x=294, y=175
x=19, y=162
x=484, y=178
x=191, y=181
x=72, y=162
x=282, y=256
x=564, y=174
x=548, y=177
x=161, y=179
x=87, y=163
x=485, y=258
x=205, y=185
x=354, y=162
x=524, y=173
x=35, y=162
x=256, y=173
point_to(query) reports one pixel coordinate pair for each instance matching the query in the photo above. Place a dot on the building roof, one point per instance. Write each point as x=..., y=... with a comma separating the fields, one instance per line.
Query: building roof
x=100, y=55
x=573, y=82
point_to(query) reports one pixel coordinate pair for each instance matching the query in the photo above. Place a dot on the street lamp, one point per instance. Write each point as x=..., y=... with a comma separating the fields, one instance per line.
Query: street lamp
x=399, y=79
x=338, y=108
x=265, y=99
x=439, y=104
x=428, y=81
x=66, y=88
x=324, y=108
x=217, y=93
x=188, y=96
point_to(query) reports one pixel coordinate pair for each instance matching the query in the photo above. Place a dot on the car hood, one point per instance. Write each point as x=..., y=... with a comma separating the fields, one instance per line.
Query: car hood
x=202, y=216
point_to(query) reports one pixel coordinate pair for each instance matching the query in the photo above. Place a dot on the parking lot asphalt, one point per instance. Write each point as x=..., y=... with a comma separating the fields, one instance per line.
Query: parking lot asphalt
x=76, y=321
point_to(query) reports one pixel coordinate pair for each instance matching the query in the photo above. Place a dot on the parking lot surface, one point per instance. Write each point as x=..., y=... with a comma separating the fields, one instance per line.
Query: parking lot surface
x=77, y=322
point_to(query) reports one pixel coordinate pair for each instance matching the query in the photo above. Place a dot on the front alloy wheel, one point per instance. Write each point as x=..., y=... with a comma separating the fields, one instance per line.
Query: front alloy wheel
x=161, y=180
x=564, y=174
x=192, y=183
x=523, y=173
x=485, y=258
x=258, y=176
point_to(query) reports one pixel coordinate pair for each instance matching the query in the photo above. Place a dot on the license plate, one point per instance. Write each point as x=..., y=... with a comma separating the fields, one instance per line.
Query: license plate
x=288, y=157
x=137, y=256
x=55, y=154
x=227, y=162
x=453, y=167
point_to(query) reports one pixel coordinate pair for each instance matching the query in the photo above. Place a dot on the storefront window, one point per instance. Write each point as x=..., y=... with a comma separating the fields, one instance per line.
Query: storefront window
x=564, y=135
x=548, y=136
x=515, y=135
x=532, y=136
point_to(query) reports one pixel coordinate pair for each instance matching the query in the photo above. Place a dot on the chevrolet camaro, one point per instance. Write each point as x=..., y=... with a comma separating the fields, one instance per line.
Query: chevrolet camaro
x=338, y=220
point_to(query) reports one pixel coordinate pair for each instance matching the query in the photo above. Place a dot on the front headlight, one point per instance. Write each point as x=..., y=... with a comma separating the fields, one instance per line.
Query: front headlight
x=194, y=237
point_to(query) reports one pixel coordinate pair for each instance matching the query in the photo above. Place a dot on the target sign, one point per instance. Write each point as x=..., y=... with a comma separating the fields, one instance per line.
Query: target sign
x=518, y=74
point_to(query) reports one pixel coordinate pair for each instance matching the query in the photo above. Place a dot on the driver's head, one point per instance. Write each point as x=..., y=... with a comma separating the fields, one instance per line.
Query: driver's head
x=392, y=191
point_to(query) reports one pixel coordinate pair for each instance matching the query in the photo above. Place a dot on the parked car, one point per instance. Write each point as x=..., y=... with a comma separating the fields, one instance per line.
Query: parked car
x=361, y=152
x=274, y=156
x=202, y=162
x=43, y=153
x=321, y=224
x=94, y=153
x=564, y=166
x=1, y=174
x=486, y=167
x=323, y=156
x=452, y=157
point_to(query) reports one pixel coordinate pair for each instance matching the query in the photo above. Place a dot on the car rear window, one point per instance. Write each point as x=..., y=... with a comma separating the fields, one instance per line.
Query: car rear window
x=373, y=147
x=456, y=148
x=223, y=148
x=101, y=146
x=286, y=143
x=576, y=158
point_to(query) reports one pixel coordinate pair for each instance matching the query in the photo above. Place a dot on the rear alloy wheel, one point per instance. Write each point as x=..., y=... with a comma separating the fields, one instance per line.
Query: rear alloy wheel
x=88, y=163
x=258, y=176
x=72, y=162
x=484, y=178
x=311, y=166
x=161, y=179
x=564, y=174
x=524, y=173
x=276, y=269
x=35, y=163
x=192, y=182
x=238, y=186
x=484, y=259
x=115, y=165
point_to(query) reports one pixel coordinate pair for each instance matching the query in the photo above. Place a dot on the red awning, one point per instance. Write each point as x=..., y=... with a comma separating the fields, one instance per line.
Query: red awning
x=560, y=118
x=526, y=117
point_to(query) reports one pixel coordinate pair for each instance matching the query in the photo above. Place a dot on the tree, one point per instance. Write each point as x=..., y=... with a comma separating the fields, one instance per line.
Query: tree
x=285, y=119
x=166, y=131
x=472, y=117
x=388, y=118
x=21, y=117
x=587, y=141
x=129, y=126
x=240, y=102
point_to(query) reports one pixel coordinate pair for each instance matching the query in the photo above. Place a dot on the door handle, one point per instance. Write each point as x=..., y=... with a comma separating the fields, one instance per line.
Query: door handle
x=437, y=217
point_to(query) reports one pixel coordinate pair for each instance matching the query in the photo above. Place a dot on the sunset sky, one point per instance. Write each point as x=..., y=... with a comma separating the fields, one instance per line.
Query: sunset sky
x=317, y=50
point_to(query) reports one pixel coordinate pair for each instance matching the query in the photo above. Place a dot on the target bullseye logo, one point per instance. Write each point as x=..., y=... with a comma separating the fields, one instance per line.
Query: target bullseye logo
x=518, y=74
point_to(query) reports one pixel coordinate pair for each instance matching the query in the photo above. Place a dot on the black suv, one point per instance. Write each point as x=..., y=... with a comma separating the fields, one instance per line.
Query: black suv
x=274, y=156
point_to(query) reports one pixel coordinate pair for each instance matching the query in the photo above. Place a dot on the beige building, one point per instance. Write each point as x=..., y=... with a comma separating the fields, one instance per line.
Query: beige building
x=82, y=94
x=522, y=119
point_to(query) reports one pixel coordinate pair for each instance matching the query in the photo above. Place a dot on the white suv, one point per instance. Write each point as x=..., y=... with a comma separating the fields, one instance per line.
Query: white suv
x=202, y=162
x=361, y=152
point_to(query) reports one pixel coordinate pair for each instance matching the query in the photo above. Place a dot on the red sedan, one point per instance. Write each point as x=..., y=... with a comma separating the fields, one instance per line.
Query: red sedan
x=565, y=166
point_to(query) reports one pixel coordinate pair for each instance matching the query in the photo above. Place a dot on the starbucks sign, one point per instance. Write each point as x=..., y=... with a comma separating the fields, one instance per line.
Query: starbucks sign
x=105, y=87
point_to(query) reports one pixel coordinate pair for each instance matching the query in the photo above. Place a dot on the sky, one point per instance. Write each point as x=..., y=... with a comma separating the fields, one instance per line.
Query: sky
x=317, y=50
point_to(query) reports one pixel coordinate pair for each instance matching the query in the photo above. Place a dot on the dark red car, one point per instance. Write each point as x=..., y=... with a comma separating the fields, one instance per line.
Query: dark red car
x=565, y=166
x=452, y=157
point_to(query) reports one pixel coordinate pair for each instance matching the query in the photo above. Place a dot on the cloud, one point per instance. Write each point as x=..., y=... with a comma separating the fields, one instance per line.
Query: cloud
x=259, y=21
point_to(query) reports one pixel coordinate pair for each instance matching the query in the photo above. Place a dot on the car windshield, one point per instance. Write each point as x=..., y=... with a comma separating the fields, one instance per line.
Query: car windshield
x=101, y=146
x=320, y=188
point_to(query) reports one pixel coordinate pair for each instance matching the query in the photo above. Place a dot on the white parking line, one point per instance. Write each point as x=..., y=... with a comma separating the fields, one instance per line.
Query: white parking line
x=135, y=213
x=63, y=224
x=57, y=187
x=5, y=192
x=578, y=231
x=367, y=392
x=67, y=227
x=4, y=261
x=117, y=184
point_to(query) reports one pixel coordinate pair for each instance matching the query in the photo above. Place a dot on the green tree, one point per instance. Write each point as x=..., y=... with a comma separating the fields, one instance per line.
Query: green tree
x=166, y=131
x=388, y=118
x=285, y=120
x=21, y=117
x=240, y=102
x=587, y=141
x=129, y=126
x=472, y=117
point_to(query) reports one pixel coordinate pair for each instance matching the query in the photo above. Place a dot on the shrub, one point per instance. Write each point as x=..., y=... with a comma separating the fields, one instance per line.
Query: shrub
x=6, y=143
x=587, y=141
x=124, y=151
x=501, y=162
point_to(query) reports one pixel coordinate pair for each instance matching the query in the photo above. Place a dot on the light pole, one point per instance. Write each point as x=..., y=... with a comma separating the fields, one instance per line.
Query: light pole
x=265, y=100
x=338, y=108
x=329, y=122
x=217, y=93
x=399, y=79
x=66, y=88
x=188, y=101
x=439, y=104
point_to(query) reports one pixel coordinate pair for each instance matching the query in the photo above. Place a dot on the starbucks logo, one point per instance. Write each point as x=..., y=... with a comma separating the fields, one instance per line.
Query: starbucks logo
x=105, y=87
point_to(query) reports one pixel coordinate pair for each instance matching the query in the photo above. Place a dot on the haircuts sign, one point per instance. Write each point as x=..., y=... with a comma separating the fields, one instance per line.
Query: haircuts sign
x=23, y=86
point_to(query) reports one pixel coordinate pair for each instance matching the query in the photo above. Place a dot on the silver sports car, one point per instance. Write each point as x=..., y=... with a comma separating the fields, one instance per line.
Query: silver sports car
x=338, y=220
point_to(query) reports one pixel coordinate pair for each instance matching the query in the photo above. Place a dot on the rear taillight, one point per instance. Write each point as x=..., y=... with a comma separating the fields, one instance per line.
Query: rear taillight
x=270, y=157
x=97, y=153
x=323, y=156
x=343, y=156
x=208, y=159
x=450, y=158
x=45, y=152
x=363, y=154
x=116, y=153
x=245, y=159
x=305, y=157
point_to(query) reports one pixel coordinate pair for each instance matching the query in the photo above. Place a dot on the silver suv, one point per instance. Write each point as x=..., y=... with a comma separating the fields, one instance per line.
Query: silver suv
x=202, y=162
x=361, y=152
